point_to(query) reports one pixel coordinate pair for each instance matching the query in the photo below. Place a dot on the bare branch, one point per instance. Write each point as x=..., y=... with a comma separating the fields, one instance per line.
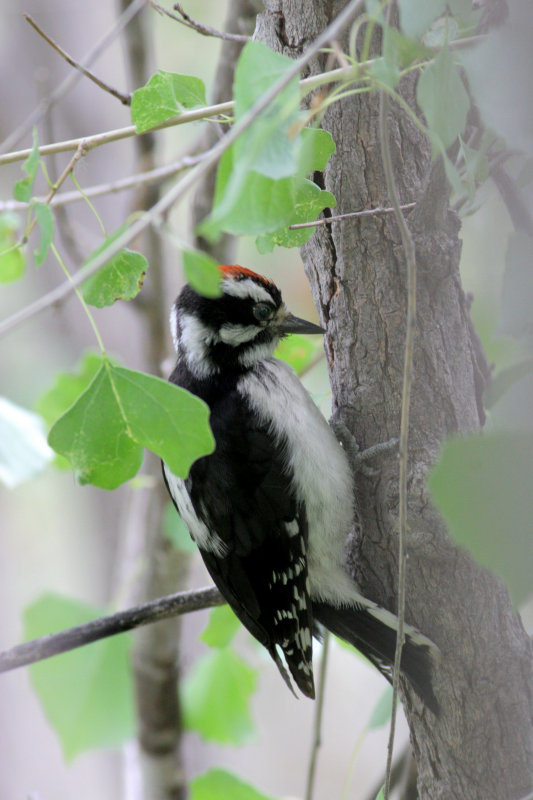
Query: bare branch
x=150, y=176
x=368, y=212
x=116, y=135
x=46, y=104
x=164, y=607
x=182, y=187
x=125, y=99
x=189, y=22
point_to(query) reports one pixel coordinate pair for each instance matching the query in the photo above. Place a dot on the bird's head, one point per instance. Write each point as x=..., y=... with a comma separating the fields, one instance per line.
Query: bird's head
x=234, y=331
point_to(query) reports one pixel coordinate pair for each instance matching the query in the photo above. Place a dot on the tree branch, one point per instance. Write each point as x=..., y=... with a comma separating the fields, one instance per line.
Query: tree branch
x=125, y=99
x=98, y=139
x=205, y=112
x=159, y=174
x=164, y=607
x=367, y=212
x=189, y=22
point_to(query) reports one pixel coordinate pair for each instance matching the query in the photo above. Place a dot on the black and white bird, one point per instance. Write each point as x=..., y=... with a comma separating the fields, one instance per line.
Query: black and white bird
x=270, y=508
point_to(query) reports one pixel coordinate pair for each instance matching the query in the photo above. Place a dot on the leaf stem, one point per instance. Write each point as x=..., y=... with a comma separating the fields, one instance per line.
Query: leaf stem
x=80, y=297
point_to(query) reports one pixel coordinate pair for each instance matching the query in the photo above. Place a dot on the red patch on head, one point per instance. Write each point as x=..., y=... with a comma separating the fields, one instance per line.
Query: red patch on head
x=239, y=273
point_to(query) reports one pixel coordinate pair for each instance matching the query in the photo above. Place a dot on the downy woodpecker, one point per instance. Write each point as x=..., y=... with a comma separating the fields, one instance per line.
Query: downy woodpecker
x=270, y=508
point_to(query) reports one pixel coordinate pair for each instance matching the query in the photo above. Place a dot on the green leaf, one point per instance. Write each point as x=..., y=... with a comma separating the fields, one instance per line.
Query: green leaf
x=202, y=273
x=417, y=15
x=23, y=189
x=374, y=9
x=103, y=434
x=68, y=387
x=221, y=628
x=317, y=148
x=483, y=485
x=120, y=278
x=23, y=449
x=517, y=290
x=382, y=710
x=257, y=205
x=270, y=145
x=401, y=51
x=385, y=72
x=176, y=531
x=309, y=201
x=218, y=784
x=381, y=794
x=254, y=190
x=296, y=350
x=443, y=98
x=166, y=95
x=12, y=262
x=86, y=694
x=216, y=698
x=45, y=221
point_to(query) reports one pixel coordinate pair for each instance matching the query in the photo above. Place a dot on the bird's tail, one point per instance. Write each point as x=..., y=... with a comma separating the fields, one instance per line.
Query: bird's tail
x=372, y=630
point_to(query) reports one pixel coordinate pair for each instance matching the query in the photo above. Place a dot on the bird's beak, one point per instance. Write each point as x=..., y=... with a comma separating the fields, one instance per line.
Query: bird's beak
x=292, y=324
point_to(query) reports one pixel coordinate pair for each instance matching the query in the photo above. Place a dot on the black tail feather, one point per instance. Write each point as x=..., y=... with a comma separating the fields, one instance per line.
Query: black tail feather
x=377, y=641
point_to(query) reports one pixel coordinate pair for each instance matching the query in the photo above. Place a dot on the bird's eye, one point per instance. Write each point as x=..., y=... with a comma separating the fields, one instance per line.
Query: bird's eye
x=262, y=312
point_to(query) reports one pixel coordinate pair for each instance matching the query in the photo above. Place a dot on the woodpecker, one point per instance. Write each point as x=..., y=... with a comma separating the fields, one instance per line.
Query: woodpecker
x=270, y=508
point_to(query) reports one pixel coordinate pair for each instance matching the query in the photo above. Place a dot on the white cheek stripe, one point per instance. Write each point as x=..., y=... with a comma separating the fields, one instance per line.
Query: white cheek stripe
x=238, y=334
x=246, y=288
x=194, y=341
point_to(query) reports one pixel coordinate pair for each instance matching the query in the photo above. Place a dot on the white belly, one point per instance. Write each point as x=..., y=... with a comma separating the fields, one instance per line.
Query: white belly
x=323, y=479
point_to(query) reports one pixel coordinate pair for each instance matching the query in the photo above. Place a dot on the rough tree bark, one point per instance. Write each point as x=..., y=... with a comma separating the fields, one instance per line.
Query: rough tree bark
x=482, y=744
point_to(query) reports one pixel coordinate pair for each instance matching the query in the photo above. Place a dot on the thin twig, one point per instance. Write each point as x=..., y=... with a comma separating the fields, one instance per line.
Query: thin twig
x=409, y=250
x=72, y=78
x=189, y=22
x=80, y=152
x=150, y=176
x=182, y=187
x=368, y=212
x=54, y=643
x=125, y=99
x=317, y=727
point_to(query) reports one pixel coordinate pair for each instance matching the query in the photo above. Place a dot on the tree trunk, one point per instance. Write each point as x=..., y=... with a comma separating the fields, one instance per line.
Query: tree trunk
x=482, y=744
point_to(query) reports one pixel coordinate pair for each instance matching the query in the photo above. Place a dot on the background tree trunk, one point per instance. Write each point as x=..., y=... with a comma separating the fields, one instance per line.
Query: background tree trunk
x=482, y=744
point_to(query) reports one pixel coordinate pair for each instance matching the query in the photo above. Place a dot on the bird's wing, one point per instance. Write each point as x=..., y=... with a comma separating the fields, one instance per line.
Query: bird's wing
x=243, y=492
